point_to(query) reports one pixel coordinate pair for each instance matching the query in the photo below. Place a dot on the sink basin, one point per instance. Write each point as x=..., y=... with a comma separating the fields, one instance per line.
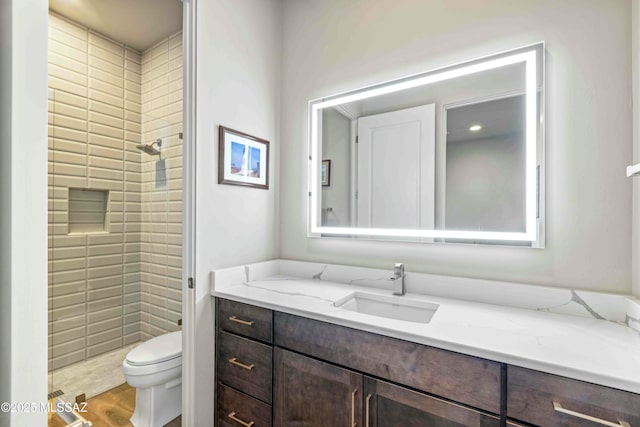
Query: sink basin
x=390, y=307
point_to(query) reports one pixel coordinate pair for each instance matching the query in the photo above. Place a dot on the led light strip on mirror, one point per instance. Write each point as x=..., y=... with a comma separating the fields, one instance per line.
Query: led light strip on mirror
x=533, y=59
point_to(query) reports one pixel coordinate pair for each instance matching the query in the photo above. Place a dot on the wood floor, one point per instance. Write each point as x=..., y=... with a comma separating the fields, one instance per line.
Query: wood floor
x=110, y=409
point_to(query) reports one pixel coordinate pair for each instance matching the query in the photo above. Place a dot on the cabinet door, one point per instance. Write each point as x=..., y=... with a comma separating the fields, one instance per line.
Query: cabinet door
x=388, y=405
x=310, y=393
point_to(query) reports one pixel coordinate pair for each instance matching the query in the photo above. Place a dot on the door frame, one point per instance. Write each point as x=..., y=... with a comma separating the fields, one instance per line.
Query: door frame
x=189, y=39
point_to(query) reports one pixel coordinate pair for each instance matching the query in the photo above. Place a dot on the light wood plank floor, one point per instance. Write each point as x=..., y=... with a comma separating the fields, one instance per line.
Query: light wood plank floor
x=110, y=409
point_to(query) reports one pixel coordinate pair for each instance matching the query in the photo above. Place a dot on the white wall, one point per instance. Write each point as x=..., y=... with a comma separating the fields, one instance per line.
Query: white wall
x=485, y=185
x=335, y=45
x=336, y=146
x=23, y=207
x=238, y=85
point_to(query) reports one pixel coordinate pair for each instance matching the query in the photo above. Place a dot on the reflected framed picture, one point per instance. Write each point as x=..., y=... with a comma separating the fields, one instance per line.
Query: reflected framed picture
x=243, y=159
x=325, y=173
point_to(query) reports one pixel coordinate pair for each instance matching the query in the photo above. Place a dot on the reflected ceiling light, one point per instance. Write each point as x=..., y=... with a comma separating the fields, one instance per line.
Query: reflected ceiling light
x=475, y=128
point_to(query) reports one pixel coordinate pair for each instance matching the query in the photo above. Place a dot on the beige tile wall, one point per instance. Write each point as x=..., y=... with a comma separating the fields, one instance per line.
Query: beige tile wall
x=162, y=188
x=104, y=288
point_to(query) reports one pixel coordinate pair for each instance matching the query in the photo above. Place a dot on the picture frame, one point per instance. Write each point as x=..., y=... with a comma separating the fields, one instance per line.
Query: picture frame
x=243, y=159
x=325, y=173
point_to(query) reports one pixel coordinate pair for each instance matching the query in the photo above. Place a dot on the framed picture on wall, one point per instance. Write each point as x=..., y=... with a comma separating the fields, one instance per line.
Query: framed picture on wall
x=243, y=159
x=325, y=173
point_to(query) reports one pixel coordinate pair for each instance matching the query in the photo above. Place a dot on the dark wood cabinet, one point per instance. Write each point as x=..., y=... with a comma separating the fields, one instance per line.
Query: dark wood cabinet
x=237, y=409
x=389, y=405
x=244, y=319
x=470, y=380
x=311, y=393
x=244, y=365
x=549, y=400
x=278, y=369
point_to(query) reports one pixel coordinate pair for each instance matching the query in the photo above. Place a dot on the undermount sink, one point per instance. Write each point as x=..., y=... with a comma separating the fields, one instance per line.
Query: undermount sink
x=390, y=307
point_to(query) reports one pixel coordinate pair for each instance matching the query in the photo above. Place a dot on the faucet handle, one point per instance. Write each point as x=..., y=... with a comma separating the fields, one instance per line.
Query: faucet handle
x=398, y=269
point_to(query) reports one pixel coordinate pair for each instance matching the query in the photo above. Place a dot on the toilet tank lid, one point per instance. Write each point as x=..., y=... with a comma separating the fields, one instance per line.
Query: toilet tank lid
x=158, y=349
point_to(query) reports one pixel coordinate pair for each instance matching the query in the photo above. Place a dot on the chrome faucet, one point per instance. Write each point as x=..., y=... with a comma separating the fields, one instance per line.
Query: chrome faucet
x=398, y=279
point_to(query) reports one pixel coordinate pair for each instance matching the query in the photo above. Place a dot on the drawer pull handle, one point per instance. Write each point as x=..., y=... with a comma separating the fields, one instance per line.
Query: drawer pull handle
x=366, y=411
x=353, y=408
x=234, y=361
x=232, y=415
x=558, y=408
x=242, y=322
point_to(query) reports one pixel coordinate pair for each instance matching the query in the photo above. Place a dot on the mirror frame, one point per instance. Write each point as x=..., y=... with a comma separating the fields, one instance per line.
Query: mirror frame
x=533, y=58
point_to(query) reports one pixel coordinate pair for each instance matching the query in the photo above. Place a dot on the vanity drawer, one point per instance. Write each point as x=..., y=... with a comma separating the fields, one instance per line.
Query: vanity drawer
x=465, y=379
x=245, y=365
x=236, y=409
x=247, y=320
x=549, y=400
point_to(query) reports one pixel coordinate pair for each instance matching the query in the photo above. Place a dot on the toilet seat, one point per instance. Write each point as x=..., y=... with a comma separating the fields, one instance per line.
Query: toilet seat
x=156, y=350
x=158, y=354
x=136, y=370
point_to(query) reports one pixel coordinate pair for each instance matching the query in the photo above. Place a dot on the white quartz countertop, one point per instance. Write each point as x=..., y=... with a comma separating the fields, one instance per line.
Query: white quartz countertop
x=588, y=349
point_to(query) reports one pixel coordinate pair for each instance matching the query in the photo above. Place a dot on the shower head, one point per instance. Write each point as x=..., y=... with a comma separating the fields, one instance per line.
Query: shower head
x=149, y=148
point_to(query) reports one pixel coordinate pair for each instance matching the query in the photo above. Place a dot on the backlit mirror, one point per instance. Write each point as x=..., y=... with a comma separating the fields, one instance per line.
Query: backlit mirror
x=451, y=155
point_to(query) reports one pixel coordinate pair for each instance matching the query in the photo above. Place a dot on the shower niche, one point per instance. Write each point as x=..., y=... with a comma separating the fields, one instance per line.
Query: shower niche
x=88, y=211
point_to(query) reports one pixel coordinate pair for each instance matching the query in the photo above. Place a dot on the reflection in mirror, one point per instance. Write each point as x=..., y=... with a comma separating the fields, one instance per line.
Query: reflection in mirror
x=485, y=157
x=453, y=155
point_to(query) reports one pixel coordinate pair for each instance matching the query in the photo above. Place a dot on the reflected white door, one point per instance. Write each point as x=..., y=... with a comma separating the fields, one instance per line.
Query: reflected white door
x=396, y=171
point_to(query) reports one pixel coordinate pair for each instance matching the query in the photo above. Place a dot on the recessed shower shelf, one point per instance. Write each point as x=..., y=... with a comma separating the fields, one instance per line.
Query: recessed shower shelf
x=88, y=211
x=633, y=170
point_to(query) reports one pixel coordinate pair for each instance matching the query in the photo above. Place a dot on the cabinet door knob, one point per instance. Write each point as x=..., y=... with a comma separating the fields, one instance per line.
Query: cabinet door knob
x=234, y=361
x=232, y=415
x=558, y=408
x=242, y=322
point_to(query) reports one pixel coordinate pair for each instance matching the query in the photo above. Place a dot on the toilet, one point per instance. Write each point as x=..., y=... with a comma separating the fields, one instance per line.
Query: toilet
x=154, y=368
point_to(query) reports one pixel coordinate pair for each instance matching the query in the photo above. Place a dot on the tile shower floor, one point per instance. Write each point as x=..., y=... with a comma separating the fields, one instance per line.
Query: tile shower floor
x=91, y=377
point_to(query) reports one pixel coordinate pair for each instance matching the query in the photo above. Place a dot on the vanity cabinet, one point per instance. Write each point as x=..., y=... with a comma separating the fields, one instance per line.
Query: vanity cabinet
x=469, y=380
x=244, y=365
x=311, y=393
x=279, y=369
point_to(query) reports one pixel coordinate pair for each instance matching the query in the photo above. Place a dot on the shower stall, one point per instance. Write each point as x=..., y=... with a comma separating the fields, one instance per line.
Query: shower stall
x=115, y=202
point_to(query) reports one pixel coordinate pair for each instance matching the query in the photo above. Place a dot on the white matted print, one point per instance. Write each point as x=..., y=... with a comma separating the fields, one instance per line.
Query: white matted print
x=243, y=159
